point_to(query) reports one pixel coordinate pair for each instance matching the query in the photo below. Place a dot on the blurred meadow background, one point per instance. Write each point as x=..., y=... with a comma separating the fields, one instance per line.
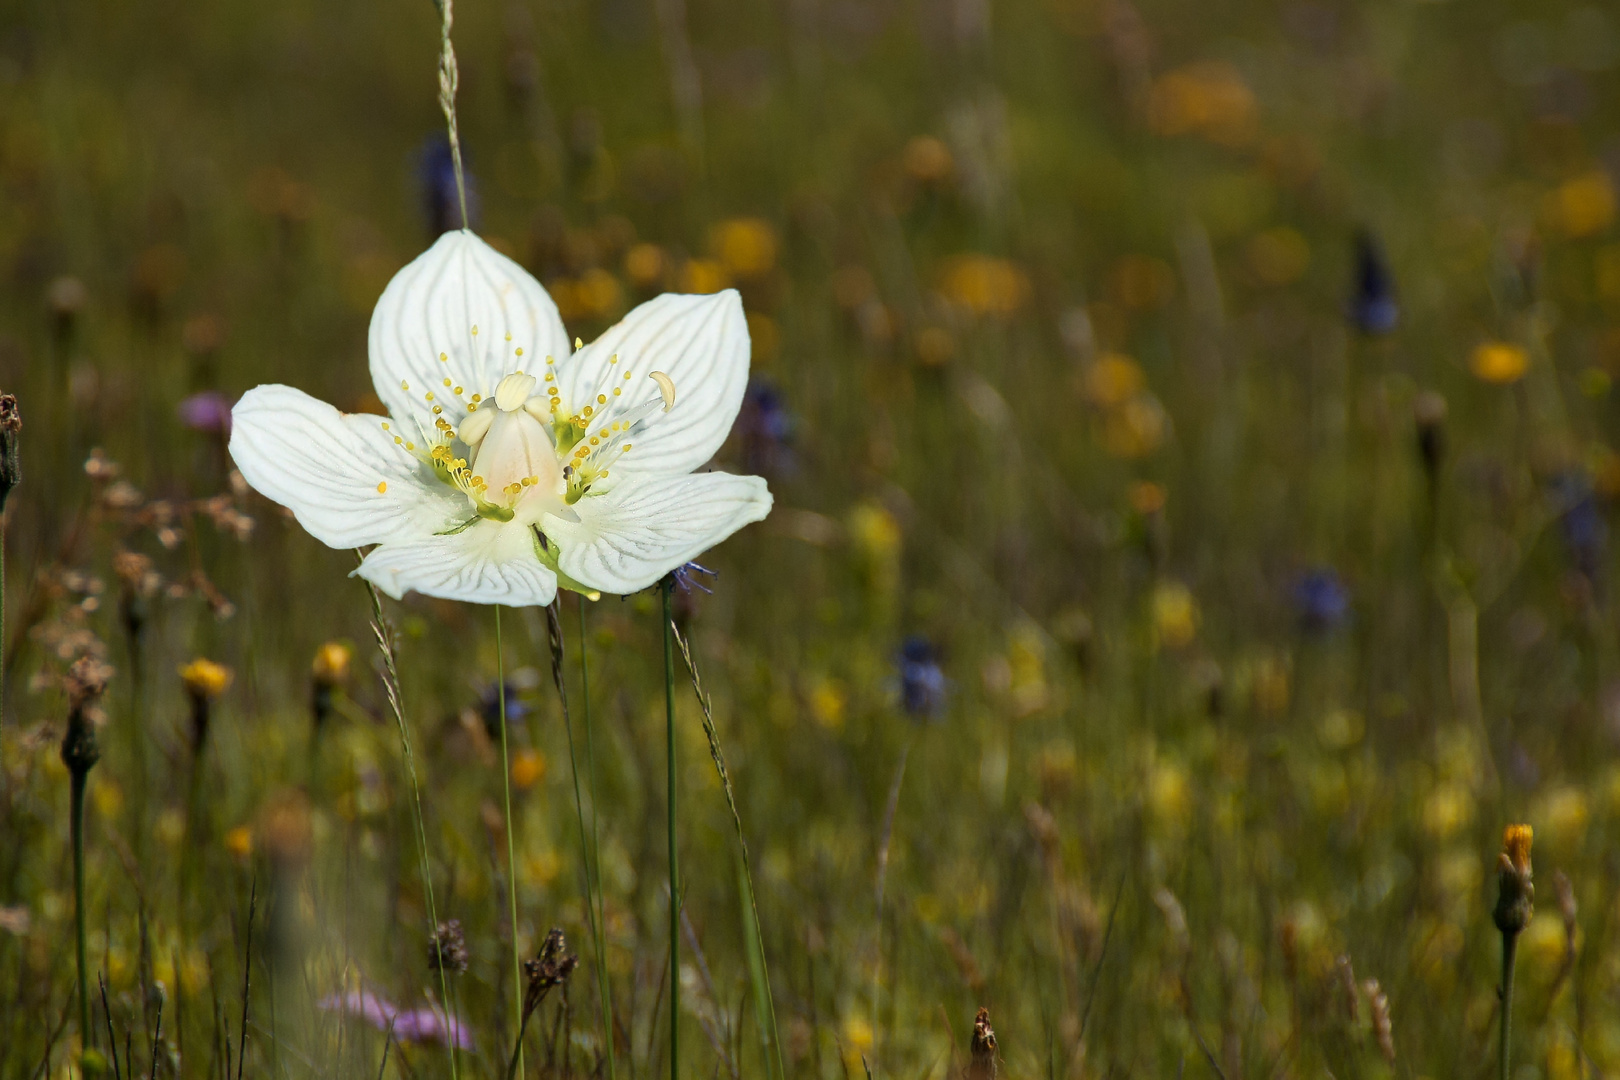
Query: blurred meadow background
x=1191, y=431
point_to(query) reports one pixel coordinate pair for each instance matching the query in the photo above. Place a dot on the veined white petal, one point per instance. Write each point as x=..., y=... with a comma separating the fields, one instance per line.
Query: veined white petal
x=340, y=474
x=701, y=344
x=645, y=527
x=489, y=563
x=429, y=310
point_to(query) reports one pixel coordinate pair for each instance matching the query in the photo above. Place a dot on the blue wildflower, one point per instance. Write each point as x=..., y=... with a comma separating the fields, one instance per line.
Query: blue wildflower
x=923, y=685
x=436, y=175
x=1372, y=306
x=1322, y=600
x=765, y=427
x=1585, y=532
x=489, y=707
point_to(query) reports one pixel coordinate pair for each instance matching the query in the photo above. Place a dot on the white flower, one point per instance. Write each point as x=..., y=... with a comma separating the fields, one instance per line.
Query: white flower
x=510, y=462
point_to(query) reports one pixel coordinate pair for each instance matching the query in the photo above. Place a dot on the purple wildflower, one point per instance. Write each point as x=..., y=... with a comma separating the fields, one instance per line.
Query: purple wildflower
x=208, y=412
x=423, y=1024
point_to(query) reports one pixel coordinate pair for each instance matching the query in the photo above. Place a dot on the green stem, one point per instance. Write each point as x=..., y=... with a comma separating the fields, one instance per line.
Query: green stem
x=665, y=588
x=1510, y=949
x=79, y=777
x=596, y=852
x=511, y=859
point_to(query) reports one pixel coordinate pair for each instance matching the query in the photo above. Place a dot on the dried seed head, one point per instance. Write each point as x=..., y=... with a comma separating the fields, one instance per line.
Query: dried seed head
x=982, y=1050
x=550, y=968
x=86, y=681
x=447, y=948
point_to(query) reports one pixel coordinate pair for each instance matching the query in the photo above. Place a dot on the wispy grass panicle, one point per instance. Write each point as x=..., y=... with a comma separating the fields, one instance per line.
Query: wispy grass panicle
x=449, y=82
x=759, y=970
x=383, y=632
x=1515, y=905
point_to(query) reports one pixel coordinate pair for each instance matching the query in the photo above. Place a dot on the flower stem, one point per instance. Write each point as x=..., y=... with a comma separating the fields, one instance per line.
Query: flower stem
x=79, y=779
x=385, y=647
x=596, y=852
x=511, y=859
x=664, y=589
x=1510, y=949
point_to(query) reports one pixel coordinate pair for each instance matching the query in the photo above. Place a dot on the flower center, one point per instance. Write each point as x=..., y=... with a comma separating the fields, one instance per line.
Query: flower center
x=528, y=452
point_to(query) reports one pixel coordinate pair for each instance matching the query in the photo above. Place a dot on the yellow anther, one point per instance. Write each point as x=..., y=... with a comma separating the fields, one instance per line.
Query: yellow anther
x=456, y=391
x=550, y=377
x=410, y=446
x=385, y=425
x=475, y=330
x=626, y=449
x=601, y=399
x=398, y=441
x=519, y=351
x=595, y=441
x=428, y=396
x=403, y=385
x=617, y=391
x=444, y=358
x=478, y=397
x=382, y=487
x=588, y=410
x=437, y=409
x=447, y=382
x=472, y=406
x=578, y=344
x=550, y=359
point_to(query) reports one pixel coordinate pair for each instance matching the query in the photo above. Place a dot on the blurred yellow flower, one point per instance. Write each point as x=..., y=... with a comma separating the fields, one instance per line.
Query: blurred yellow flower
x=934, y=346
x=1278, y=256
x=239, y=841
x=205, y=679
x=1499, y=362
x=857, y=1039
x=108, y=797
x=875, y=531
x=927, y=160
x=1135, y=429
x=1544, y=942
x=1564, y=814
x=1175, y=614
x=528, y=768
x=1582, y=206
x=703, y=276
x=1209, y=99
x=1146, y=497
x=985, y=285
x=542, y=869
x=746, y=247
x=828, y=700
x=1449, y=807
x=644, y=266
x=1168, y=792
x=331, y=664
x=1113, y=380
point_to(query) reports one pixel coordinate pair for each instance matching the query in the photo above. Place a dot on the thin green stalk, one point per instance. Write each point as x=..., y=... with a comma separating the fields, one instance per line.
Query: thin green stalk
x=592, y=880
x=385, y=647
x=759, y=971
x=665, y=588
x=79, y=778
x=511, y=857
x=1510, y=950
x=600, y=921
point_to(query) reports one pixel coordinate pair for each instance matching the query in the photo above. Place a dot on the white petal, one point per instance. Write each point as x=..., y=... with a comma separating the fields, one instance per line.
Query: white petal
x=701, y=343
x=340, y=474
x=633, y=535
x=429, y=309
x=490, y=563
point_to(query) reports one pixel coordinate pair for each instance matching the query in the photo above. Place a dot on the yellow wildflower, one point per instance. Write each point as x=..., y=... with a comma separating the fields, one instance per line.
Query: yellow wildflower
x=1499, y=362
x=205, y=679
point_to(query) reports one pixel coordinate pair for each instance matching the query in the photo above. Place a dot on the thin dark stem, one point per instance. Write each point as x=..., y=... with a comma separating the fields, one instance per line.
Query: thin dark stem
x=79, y=778
x=665, y=589
x=247, y=978
x=1510, y=949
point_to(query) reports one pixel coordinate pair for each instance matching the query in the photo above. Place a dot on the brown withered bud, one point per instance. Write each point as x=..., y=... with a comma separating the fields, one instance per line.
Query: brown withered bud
x=1383, y=1030
x=85, y=682
x=1429, y=411
x=1516, y=895
x=548, y=970
x=10, y=436
x=447, y=948
x=982, y=1050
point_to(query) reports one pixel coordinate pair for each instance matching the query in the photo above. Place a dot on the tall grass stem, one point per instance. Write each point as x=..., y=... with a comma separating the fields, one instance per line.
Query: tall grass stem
x=511, y=856
x=665, y=588
x=600, y=920
x=79, y=779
